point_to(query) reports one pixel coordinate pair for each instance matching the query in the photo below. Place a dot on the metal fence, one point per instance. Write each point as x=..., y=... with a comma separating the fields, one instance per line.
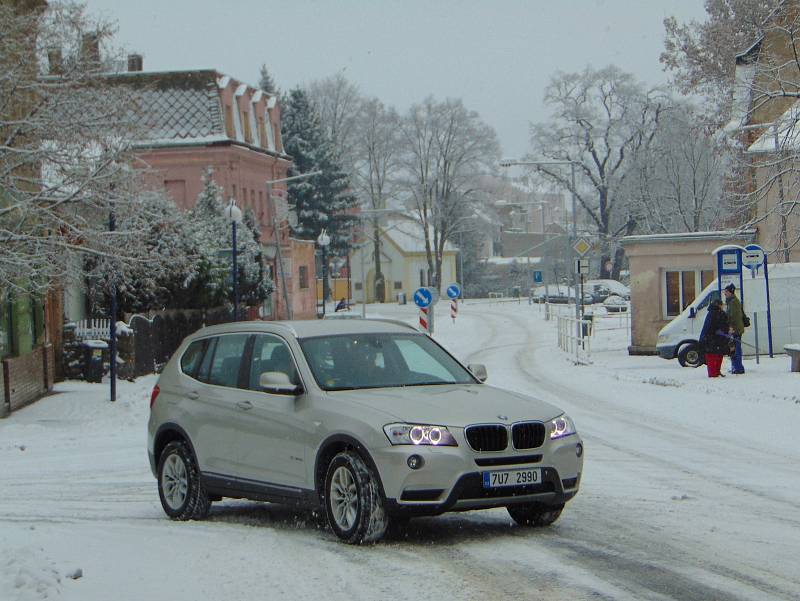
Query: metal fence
x=574, y=338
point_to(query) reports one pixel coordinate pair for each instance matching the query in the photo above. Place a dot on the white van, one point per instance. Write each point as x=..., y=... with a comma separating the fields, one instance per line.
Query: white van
x=679, y=338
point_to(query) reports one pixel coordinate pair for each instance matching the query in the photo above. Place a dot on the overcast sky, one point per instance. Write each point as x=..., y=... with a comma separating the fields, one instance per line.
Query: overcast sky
x=497, y=55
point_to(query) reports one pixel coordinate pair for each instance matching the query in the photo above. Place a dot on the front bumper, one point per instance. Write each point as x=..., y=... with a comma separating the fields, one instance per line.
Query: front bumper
x=667, y=351
x=451, y=477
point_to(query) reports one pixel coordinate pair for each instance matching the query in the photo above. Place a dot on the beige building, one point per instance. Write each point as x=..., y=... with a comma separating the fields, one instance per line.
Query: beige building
x=667, y=271
x=404, y=263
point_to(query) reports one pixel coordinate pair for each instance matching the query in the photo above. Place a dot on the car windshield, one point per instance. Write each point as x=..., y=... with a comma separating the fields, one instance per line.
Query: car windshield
x=381, y=360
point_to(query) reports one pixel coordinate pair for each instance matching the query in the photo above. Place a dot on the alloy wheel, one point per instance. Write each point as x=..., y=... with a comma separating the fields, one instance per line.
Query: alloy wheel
x=344, y=498
x=175, y=481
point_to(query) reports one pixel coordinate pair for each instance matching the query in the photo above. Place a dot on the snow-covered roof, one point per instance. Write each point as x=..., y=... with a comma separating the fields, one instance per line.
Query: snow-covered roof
x=748, y=234
x=512, y=260
x=788, y=134
x=408, y=236
x=179, y=108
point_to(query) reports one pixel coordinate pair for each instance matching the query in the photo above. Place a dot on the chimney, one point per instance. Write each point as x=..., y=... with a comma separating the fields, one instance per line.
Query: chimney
x=135, y=63
x=90, y=48
x=55, y=61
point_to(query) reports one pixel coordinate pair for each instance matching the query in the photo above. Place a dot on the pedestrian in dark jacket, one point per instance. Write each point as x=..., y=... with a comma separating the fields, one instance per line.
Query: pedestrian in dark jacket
x=736, y=327
x=714, y=338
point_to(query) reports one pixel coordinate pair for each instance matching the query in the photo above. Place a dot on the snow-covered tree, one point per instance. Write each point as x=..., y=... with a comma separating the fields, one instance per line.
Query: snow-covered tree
x=265, y=81
x=64, y=147
x=446, y=147
x=677, y=182
x=701, y=56
x=338, y=104
x=601, y=120
x=213, y=235
x=376, y=153
x=324, y=201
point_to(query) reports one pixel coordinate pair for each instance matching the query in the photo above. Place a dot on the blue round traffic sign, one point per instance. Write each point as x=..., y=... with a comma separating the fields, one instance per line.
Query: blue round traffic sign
x=423, y=297
x=453, y=291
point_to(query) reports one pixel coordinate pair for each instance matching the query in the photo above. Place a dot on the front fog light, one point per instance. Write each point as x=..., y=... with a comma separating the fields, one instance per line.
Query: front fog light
x=415, y=462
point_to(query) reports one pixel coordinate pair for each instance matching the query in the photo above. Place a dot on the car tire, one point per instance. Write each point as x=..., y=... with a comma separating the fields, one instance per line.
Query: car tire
x=353, y=501
x=534, y=514
x=691, y=355
x=179, y=488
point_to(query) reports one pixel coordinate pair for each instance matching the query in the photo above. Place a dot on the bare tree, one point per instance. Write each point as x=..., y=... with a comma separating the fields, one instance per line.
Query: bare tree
x=65, y=156
x=701, y=56
x=601, y=119
x=677, y=182
x=446, y=148
x=376, y=153
x=337, y=101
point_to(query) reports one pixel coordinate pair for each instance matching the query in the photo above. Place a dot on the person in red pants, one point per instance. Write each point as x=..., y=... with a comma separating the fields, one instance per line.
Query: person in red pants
x=713, y=337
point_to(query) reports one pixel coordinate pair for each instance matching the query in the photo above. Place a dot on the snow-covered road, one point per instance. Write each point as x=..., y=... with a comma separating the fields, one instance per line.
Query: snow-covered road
x=690, y=492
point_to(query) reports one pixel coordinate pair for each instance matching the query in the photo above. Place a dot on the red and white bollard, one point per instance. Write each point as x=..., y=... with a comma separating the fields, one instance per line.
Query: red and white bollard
x=423, y=319
x=454, y=309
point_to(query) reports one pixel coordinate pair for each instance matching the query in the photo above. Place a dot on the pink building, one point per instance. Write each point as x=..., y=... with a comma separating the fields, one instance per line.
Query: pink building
x=193, y=120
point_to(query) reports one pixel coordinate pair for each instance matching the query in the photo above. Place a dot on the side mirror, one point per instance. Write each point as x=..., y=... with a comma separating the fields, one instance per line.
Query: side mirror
x=278, y=382
x=692, y=313
x=479, y=371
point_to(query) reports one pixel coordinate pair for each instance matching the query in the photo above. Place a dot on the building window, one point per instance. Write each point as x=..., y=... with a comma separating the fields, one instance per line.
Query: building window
x=357, y=285
x=303, y=276
x=398, y=285
x=229, y=121
x=248, y=135
x=421, y=277
x=233, y=191
x=682, y=287
x=252, y=199
x=262, y=133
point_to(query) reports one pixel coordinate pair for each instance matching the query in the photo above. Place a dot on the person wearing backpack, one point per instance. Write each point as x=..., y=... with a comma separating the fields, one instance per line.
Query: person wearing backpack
x=736, y=320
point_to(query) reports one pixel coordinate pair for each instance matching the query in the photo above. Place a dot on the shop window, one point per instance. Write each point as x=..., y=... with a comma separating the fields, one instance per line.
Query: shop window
x=681, y=288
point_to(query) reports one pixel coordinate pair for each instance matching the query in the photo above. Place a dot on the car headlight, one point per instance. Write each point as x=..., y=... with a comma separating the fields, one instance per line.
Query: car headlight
x=662, y=338
x=561, y=426
x=419, y=434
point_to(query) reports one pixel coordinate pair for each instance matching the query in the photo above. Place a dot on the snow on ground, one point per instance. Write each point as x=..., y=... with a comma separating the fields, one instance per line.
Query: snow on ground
x=690, y=492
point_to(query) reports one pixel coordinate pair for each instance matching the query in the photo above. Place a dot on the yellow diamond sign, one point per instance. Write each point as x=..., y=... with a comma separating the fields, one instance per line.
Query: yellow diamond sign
x=582, y=246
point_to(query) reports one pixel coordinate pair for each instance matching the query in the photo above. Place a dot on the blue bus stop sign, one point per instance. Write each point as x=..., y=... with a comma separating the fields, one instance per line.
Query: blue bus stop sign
x=453, y=291
x=537, y=277
x=423, y=297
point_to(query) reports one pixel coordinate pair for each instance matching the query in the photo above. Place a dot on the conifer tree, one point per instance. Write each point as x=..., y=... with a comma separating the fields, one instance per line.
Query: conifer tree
x=265, y=82
x=324, y=201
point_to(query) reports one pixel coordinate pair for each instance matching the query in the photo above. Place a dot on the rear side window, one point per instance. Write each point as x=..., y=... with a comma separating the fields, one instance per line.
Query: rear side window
x=190, y=361
x=227, y=360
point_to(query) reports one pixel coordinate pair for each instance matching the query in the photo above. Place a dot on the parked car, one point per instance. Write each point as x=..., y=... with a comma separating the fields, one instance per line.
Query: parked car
x=558, y=294
x=615, y=304
x=366, y=420
x=602, y=289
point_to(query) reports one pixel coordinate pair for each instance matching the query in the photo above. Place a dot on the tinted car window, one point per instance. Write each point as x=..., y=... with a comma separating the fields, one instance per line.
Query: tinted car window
x=270, y=353
x=190, y=360
x=227, y=360
x=345, y=362
x=205, y=366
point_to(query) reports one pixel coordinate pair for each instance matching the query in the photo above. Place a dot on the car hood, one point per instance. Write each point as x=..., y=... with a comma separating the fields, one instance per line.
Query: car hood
x=456, y=405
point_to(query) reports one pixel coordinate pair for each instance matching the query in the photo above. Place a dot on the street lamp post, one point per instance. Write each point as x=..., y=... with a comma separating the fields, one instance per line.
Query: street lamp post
x=323, y=240
x=276, y=232
x=234, y=215
x=574, y=237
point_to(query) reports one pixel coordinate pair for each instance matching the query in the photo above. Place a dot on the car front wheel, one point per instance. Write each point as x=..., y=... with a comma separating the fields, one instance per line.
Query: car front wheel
x=691, y=355
x=535, y=514
x=182, y=495
x=353, y=500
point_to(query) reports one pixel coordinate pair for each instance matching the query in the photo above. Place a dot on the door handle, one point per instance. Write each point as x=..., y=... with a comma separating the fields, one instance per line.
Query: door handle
x=193, y=394
x=245, y=405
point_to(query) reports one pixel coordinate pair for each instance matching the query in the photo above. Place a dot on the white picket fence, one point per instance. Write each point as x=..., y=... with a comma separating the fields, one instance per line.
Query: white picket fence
x=93, y=328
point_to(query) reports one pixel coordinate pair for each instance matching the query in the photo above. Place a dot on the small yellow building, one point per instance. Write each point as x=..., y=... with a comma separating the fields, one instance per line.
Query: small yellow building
x=404, y=263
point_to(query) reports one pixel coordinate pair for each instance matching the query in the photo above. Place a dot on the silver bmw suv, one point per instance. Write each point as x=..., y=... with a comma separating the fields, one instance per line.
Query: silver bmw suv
x=366, y=420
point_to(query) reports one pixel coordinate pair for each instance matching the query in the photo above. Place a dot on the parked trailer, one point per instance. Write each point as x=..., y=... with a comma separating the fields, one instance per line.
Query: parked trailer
x=679, y=338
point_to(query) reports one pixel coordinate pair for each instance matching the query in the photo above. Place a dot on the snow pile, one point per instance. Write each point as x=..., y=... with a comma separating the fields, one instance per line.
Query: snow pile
x=26, y=574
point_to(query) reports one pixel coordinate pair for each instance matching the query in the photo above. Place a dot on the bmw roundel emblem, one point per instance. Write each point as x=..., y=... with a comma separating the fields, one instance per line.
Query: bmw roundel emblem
x=502, y=417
